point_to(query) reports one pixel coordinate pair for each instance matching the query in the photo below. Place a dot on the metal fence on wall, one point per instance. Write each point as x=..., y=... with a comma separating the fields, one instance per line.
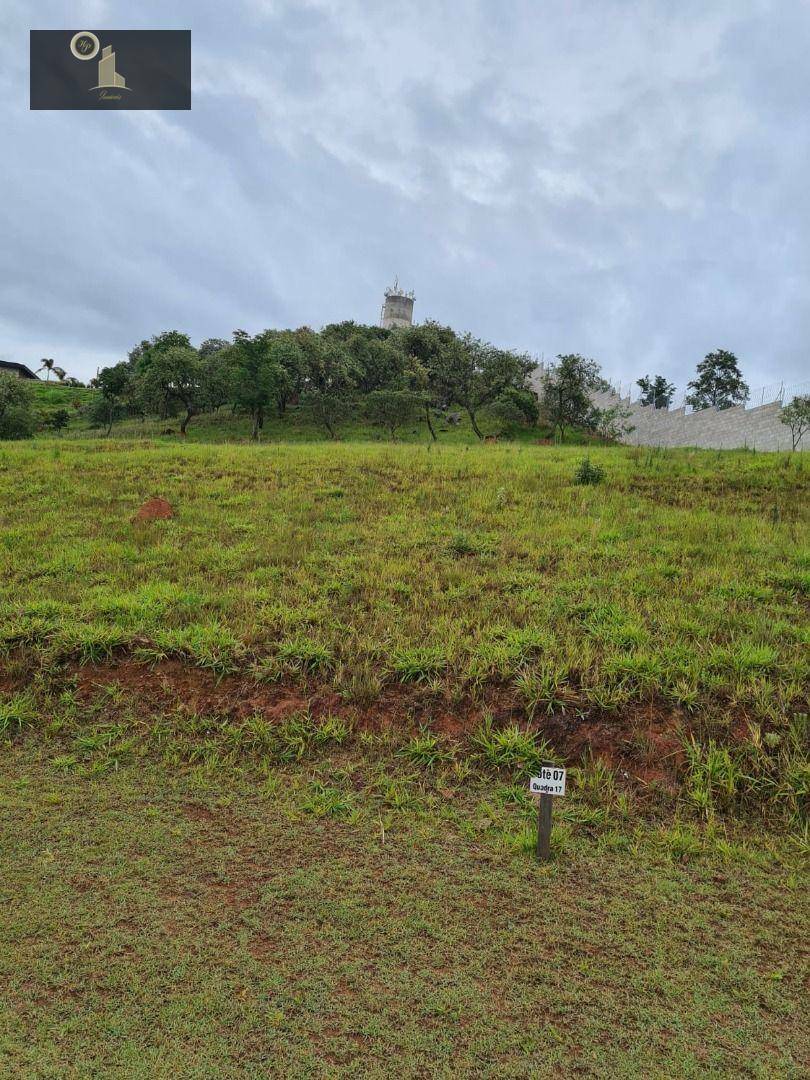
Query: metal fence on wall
x=782, y=392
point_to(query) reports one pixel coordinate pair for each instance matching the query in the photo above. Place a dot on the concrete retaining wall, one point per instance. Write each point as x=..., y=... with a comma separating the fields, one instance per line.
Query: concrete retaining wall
x=759, y=428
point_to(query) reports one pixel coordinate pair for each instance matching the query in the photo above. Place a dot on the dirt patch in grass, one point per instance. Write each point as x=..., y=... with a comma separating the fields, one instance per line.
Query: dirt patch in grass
x=643, y=742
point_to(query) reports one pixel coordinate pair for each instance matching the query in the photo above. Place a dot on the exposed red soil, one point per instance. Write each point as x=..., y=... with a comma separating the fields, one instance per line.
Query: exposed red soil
x=154, y=510
x=641, y=741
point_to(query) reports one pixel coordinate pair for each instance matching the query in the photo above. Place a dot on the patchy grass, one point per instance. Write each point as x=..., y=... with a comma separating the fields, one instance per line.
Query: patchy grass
x=345, y=918
x=263, y=803
x=678, y=583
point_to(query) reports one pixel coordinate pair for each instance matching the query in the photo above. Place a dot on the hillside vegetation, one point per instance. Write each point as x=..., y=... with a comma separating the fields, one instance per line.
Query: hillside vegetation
x=264, y=805
x=661, y=611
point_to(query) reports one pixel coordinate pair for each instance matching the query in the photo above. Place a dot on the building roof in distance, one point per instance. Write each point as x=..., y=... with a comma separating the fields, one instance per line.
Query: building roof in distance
x=18, y=369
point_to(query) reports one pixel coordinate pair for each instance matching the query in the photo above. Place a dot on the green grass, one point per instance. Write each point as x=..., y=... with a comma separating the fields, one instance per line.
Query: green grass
x=343, y=917
x=662, y=579
x=452, y=569
x=297, y=427
x=263, y=804
x=53, y=394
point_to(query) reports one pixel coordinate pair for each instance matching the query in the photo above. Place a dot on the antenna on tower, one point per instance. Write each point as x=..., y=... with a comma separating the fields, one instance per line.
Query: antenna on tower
x=397, y=309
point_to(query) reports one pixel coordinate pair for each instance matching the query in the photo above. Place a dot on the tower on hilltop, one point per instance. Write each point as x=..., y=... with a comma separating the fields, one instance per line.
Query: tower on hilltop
x=397, y=309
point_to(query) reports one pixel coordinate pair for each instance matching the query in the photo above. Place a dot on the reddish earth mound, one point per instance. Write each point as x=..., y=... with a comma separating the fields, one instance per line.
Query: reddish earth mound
x=154, y=510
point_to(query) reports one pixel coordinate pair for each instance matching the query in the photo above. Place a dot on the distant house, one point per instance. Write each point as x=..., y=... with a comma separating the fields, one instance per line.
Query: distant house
x=8, y=367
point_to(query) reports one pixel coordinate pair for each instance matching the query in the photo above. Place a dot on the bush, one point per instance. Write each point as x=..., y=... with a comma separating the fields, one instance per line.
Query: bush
x=392, y=409
x=57, y=420
x=17, y=417
x=588, y=473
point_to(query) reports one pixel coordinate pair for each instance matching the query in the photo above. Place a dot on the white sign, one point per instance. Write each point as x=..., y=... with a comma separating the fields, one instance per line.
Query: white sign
x=551, y=781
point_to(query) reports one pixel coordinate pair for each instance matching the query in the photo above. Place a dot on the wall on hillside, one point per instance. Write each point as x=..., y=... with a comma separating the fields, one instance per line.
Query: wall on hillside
x=738, y=428
x=758, y=428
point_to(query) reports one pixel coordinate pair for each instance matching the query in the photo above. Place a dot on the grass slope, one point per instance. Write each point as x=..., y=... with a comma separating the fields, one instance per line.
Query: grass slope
x=263, y=802
x=50, y=395
x=683, y=577
x=296, y=426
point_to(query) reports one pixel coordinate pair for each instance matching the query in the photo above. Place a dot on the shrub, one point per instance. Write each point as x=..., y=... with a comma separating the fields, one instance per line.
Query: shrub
x=588, y=473
x=17, y=418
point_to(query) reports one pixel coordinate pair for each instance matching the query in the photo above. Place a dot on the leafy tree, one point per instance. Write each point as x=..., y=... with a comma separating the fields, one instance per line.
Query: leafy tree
x=17, y=418
x=58, y=420
x=71, y=381
x=175, y=378
x=261, y=372
x=286, y=352
x=330, y=378
x=393, y=408
x=718, y=382
x=474, y=374
x=376, y=353
x=610, y=423
x=656, y=391
x=60, y=373
x=418, y=380
x=216, y=384
x=515, y=406
x=566, y=391
x=142, y=355
x=116, y=385
x=797, y=417
x=211, y=346
x=423, y=346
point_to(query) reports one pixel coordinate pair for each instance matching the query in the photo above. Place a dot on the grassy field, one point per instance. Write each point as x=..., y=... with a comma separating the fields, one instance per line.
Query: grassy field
x=350, y=915
x=263, y=804
x=678, y=584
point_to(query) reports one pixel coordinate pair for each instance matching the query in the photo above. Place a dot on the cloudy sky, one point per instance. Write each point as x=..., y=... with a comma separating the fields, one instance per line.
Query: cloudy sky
x=627, y=180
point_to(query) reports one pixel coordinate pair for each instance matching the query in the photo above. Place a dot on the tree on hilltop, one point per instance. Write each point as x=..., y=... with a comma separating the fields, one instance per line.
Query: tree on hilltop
x=175, y=377
x=376, y=353
x=718, y=382
x=656, y=391
x=115, y=385
x=474, y=374
x=566, y=393
x=330, y=378
x=264, y=372
x=422, y=346
x=211, y=346
x=142, y=355
x=47, y=365
x=393, y=408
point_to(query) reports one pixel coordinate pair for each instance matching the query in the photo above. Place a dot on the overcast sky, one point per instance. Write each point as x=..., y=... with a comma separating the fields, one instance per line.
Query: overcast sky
x=627, y=180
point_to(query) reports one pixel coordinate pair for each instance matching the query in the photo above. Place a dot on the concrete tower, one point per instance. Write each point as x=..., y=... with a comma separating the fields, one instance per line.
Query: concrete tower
x=397, y=309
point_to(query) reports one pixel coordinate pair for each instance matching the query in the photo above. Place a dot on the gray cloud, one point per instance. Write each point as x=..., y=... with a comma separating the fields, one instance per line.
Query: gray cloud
x=624, y=180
